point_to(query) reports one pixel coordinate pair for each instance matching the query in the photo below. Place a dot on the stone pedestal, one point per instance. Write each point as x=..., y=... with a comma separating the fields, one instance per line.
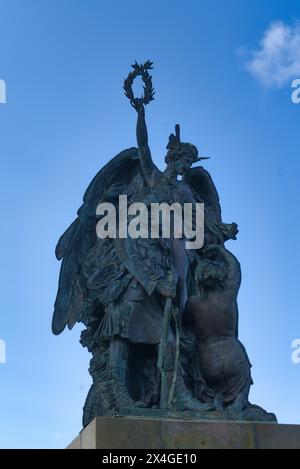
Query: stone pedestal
x=164, y=433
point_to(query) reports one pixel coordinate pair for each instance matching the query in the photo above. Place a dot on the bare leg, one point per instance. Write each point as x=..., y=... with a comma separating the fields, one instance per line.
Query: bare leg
x=119, y=351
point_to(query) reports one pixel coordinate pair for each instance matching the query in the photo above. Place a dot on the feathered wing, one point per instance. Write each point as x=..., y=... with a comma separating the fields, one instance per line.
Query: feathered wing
x=202, y=184
x=80, y=237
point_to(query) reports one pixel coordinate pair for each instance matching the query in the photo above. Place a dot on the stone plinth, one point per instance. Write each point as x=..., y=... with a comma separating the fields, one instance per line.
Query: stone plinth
x=163, y=433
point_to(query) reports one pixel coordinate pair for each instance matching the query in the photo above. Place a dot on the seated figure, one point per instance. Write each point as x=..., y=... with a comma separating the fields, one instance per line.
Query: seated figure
x=219, y=355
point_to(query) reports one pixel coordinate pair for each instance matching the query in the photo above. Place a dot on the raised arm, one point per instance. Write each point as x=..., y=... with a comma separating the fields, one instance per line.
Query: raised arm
x=234, y=274
x=148, y=167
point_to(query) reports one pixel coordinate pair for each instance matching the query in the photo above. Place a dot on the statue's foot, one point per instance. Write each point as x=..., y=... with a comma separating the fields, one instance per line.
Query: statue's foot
x=184, y=399
x=129, y=403
x=191, y=403
x=123, y=399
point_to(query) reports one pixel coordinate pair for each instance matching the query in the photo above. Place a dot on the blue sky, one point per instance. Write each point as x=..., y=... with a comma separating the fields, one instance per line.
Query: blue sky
x=64, y=63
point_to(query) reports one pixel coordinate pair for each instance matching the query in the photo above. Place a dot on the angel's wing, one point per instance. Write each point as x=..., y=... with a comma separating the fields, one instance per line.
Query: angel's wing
x=201, y=182
x=80, y=237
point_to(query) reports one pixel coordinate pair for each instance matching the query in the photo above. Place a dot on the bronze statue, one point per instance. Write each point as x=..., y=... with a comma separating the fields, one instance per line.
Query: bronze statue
x=223, y=360
x=132, y=293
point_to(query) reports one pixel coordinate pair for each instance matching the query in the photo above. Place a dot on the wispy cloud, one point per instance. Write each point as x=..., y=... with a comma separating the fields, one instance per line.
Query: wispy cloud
x=277, y=61
x=57, y=436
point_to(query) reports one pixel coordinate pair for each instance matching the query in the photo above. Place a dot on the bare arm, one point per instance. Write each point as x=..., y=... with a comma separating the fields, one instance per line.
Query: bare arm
x=218, y=252
x=234, y=274
x=148, y=167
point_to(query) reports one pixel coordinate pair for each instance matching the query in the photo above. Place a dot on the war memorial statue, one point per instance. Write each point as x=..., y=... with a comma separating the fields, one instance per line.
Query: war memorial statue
x=160, y=317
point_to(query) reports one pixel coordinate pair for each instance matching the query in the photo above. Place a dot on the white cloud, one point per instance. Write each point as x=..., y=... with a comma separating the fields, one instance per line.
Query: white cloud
x=277, y=61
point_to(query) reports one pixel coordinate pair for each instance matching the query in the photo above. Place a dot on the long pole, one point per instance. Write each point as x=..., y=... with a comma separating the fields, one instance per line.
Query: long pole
x=162, y=351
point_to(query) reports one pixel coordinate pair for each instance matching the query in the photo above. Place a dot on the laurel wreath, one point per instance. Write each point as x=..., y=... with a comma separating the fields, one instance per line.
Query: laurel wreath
x=142, y=71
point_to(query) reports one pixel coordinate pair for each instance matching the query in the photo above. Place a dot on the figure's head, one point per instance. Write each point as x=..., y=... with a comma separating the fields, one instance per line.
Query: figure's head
x=211, y=274
x=180, y=155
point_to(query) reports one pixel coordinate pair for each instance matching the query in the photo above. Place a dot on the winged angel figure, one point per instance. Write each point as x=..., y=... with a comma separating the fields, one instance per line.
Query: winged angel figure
x=119, y=287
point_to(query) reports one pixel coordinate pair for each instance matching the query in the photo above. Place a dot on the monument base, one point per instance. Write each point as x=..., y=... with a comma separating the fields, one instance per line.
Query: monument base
x=170, y=433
